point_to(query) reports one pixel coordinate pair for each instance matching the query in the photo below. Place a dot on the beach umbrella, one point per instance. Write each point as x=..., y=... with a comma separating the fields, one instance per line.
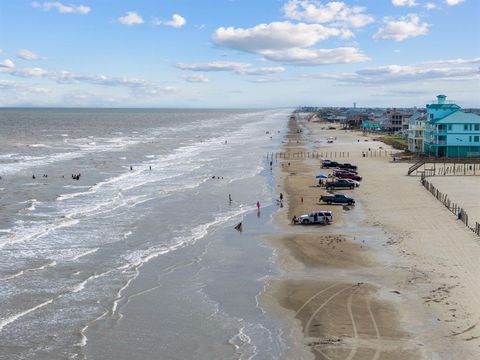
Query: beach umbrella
x=321, y=176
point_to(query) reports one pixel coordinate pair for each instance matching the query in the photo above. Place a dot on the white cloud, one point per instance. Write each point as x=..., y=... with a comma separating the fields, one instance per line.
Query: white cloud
x=130, y=19
x=27, y=54
x=414, y=73
x=335, y=13
x=401, y=29
x=137, y=86
x=61, y=8
x=13, y=86
x=28, y=72
x=409, y=3
x=393, y=74
x=430, y=6
x=7, y=63
x=275, y=36
x=177, y=21
x=458, y=61
x=310, y=56
x=453, y=2
x=236, y=67
x=195, y=78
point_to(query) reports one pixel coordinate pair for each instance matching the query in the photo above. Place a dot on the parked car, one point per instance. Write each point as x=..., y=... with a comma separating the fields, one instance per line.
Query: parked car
x=348, y=166
x=347, y=175
x=354, y=182
x=339, y=183
x=323, y=217
x=329, y=164
x=337, y=199
x=343, y=171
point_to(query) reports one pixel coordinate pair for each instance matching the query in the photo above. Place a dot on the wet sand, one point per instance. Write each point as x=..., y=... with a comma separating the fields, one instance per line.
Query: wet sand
x=374, y=284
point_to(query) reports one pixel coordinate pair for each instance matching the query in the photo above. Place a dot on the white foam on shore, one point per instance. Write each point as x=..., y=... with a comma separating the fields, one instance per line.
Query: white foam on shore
x=91, y=251
x=15, y=317
x=79, y=287
x=33, y=202
x=22, y=272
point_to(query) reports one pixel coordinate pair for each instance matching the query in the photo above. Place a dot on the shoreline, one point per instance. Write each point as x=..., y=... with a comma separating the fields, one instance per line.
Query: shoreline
x=353, y=289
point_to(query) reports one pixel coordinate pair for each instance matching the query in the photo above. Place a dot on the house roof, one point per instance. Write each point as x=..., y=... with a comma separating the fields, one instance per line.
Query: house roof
x=443, y=106
x=460, y=117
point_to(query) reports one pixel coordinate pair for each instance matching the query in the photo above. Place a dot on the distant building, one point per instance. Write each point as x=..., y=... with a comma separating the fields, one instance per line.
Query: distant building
x=416, y=129
x=396, y=120
x=451, y=132
x=355, y=120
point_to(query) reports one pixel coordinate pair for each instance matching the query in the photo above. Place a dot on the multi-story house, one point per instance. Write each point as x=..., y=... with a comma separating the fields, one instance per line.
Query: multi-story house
x=451, y=132
x=396, y=120
x=416, y=128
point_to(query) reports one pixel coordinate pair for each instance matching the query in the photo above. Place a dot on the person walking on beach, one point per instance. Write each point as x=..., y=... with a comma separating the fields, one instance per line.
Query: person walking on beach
x=281, y=197
x=230, y=198
x=239, y=227
x=258, y=205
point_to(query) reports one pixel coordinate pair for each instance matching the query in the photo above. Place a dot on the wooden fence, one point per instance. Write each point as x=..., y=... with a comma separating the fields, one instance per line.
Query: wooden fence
x=440, y=169
x=457, y=210
x=326, y=154
x=308, y=155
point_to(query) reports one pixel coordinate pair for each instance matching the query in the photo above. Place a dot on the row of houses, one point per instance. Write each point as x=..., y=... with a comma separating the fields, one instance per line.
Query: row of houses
x=443, y=129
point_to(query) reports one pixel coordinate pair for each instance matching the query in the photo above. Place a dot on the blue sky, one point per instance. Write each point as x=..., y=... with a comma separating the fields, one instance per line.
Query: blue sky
x=238, y=53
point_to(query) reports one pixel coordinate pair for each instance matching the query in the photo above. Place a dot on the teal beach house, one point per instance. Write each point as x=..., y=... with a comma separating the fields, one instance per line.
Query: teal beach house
x=451, y=132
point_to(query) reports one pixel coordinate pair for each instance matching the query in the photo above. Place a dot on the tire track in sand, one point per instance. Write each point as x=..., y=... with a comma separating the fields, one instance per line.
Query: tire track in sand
x=378, y=349
x=354, y=325
x=313, y=297
x=309, y=322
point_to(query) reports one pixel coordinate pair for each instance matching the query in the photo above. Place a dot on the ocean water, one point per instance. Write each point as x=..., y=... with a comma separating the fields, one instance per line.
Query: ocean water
x=138, y=258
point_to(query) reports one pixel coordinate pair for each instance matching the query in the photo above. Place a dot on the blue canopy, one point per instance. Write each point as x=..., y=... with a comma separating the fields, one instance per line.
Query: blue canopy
x=321, y=176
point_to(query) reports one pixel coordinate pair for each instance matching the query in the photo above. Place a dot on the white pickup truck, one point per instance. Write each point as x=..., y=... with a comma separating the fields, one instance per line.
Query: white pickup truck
x=323, y=217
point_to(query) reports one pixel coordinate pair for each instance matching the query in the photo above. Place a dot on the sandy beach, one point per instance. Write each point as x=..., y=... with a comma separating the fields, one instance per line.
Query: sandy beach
x=393, y=277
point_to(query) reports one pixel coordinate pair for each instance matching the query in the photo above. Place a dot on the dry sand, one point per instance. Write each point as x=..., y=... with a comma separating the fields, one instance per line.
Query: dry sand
x=393, y=278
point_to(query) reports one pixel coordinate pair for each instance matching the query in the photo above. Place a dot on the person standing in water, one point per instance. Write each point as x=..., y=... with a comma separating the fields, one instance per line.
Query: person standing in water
x=230, y=198
x=258, y=205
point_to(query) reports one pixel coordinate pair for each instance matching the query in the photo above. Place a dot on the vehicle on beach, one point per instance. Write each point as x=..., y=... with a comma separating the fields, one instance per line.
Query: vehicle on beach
x=329, y=164
x=323, y=217
x=337, y=199
x=343, y=171
x=348, y=166
x=354, y=182
x=347, y=175
x=339, y=183
x=330, y=140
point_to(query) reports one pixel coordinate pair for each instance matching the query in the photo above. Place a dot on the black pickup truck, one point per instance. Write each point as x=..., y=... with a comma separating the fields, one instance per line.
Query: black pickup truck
x=347, y=166
x=340, y=183
x=337, y=199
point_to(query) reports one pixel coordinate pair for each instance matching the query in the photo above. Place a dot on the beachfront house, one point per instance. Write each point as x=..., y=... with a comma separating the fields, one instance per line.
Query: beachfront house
x=416, y=128
x=396, y=120
x=451, y=132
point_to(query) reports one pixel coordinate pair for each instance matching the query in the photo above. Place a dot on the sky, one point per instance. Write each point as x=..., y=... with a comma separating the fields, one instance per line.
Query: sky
x=238, y=53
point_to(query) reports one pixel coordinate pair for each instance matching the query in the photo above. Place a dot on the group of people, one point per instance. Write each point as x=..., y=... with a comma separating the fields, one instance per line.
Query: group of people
x=76, y=176
x=34, y=177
